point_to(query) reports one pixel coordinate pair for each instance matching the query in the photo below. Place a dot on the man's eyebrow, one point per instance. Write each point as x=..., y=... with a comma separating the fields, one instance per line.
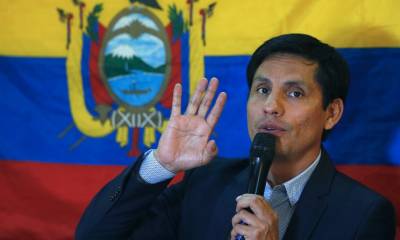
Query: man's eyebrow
x=288, y=83
x=262, y=79
x=295, y=83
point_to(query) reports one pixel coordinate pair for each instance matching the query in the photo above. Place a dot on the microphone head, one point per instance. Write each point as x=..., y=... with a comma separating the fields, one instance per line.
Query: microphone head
x=263, y=143
x=261, y=155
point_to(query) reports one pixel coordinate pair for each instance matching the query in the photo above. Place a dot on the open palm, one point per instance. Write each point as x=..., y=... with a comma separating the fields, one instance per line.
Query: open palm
x=185, y=143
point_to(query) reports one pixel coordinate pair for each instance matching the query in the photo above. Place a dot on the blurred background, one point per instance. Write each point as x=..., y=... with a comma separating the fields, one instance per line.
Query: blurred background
x=86, y=87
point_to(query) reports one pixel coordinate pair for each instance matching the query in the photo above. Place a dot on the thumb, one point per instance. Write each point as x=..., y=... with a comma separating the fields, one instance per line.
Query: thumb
x=210, y=151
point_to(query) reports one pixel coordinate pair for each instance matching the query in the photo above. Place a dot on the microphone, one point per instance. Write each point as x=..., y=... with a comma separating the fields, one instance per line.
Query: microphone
x=262, y=153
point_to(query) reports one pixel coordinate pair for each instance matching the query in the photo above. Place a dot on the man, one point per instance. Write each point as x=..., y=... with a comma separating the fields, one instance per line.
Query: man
x=298, y=87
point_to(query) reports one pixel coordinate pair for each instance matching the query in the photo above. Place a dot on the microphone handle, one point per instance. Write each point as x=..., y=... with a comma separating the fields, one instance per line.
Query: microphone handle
x=259, y=168
x=258, y=178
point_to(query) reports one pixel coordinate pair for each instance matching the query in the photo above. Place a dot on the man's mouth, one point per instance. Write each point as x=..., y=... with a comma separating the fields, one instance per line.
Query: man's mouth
x=273, y=129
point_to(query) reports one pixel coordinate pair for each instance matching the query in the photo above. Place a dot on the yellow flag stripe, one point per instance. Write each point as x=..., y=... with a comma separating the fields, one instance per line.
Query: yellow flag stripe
x=32, y=28
x=196, y=57
x=238, y=27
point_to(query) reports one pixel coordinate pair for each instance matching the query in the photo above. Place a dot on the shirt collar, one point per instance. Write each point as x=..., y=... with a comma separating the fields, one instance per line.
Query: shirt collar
x=294, y=187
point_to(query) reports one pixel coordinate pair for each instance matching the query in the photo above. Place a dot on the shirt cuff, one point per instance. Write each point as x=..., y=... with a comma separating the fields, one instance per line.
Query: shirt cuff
x=151, y=171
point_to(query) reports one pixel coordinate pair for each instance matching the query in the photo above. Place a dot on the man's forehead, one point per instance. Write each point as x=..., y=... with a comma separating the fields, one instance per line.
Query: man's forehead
x=290, y=57
x=290, y=70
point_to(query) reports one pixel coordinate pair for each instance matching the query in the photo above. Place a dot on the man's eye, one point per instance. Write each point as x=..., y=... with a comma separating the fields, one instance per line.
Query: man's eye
x=296, y=94
x=263, y=90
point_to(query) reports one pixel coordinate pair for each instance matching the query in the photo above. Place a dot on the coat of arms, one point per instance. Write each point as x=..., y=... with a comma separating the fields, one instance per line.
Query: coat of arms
x=121, y=74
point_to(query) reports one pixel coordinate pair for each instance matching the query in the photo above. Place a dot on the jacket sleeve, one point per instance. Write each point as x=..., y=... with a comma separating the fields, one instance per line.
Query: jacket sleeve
x=379, y=222
x=129, y=208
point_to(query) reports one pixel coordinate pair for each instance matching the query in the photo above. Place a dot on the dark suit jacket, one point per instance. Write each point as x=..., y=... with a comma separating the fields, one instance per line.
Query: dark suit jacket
x=332, y=206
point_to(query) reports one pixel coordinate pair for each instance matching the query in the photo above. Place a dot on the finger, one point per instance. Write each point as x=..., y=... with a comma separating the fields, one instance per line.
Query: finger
x=246, y=217
x=244, y=230
x=237, y=220
x=207, y=99
x=257, y=204
x=243, y=201
x=195, y=100
x=176, y=100
x=251, y=201
x=210, y=151
x=235, y=234
x=216, y=111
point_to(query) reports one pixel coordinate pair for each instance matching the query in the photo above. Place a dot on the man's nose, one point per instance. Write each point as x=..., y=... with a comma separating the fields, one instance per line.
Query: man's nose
x=274, y=105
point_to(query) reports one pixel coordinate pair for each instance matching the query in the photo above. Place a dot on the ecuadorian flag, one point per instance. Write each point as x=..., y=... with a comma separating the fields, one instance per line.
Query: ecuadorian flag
x=85, y=87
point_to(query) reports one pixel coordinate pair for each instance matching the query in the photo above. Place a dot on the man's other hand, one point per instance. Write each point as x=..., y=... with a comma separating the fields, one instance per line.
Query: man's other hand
x=260, y=224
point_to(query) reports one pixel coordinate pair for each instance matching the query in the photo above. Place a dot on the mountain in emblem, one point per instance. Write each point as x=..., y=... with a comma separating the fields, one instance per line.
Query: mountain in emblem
x=122, y=61
x=123, y=51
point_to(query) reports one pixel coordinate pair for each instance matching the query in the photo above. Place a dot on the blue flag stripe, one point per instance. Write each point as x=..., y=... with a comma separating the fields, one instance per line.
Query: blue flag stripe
x=35, y=111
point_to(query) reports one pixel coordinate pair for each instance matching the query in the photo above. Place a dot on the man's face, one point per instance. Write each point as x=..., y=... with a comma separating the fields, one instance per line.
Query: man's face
x=286, y=101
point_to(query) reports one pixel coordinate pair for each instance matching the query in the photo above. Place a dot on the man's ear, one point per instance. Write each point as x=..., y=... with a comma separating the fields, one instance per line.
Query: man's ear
x=334, y=112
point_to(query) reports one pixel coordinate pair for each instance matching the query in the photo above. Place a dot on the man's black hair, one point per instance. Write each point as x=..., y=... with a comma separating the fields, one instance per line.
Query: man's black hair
x=332, y=73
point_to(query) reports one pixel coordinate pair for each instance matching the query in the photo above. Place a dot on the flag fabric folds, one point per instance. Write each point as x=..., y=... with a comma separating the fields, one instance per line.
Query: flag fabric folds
x=86, y=87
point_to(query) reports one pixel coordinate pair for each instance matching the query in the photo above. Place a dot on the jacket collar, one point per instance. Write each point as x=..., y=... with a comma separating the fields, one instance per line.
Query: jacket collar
x=313, y=200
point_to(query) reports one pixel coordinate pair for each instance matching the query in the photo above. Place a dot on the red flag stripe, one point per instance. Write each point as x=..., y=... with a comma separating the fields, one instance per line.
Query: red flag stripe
x=46, y=200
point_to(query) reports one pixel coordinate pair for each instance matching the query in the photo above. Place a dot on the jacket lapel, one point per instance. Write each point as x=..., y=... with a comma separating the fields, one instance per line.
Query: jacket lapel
x=313, y=201
x=221, y=226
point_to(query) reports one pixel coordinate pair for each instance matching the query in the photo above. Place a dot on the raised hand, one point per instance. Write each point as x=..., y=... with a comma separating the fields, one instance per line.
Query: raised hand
x=185, y=143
